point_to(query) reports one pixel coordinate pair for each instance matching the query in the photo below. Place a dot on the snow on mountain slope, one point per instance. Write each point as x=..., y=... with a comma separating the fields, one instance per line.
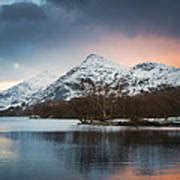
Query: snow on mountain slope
x=27, y=91
x=144, y=77
x=149, y=76
x=94, y=67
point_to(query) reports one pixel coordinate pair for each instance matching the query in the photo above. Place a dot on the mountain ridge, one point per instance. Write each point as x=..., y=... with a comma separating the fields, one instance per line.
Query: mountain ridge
x=143, y=77
x=26, y=90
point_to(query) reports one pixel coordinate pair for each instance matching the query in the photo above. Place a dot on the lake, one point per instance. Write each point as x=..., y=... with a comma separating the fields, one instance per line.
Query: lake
x=61, y=149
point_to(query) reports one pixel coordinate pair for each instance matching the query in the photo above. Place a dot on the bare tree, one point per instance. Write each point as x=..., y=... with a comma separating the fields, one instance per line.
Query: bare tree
x=100, y=98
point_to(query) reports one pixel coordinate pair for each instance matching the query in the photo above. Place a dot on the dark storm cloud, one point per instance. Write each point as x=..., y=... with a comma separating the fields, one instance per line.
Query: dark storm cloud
x=20, y=11
x=130, y=16
x=26, y=28
x=18, y=25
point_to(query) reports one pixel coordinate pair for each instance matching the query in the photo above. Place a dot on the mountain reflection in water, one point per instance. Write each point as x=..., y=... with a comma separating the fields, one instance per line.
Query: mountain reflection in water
x=112, y=155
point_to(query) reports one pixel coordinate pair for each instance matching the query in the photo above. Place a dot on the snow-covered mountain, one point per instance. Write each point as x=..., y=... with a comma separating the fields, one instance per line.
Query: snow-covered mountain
x=27, y=91
x=144, y=77
x=151, y=76
x=94, y=67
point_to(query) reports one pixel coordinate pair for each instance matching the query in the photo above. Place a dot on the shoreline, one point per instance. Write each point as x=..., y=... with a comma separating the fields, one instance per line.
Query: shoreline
x=145, y=122
x=132, y=125
x=121, y=122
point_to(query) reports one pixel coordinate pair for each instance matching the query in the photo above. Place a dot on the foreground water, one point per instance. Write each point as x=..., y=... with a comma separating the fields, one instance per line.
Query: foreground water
x=60, y=149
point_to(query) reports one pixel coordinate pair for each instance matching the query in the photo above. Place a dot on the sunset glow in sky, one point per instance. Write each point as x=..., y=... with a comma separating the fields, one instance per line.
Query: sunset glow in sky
x=58, y=34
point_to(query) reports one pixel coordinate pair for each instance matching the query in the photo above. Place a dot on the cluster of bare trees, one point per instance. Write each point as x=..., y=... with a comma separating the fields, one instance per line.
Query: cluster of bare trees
x=99, y=102
x=52, y=109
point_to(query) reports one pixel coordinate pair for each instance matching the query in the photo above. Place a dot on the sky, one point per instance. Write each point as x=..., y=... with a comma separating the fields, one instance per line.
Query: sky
x=38, y=35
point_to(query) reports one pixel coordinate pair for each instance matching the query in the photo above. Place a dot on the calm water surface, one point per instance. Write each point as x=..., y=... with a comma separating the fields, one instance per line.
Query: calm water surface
x=59, y=149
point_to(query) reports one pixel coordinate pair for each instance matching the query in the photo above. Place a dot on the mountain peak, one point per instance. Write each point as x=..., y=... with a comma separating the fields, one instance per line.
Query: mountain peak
x=93, y=55
x=148, y=66
x=98, y=61
x=144, y=77
x=94, y=58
